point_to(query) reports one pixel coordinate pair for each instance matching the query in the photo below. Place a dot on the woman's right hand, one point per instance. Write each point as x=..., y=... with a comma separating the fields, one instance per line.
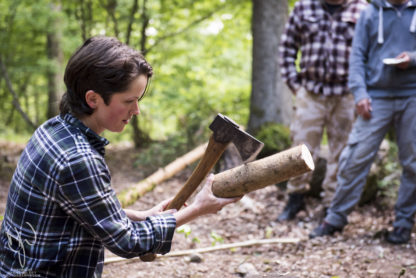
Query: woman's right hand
x=205, y=202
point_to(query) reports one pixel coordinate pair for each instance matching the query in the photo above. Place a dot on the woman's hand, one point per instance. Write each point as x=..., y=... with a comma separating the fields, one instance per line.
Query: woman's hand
x=207, y=202
x=204, y=203
x=160, y=208
x=137, y=215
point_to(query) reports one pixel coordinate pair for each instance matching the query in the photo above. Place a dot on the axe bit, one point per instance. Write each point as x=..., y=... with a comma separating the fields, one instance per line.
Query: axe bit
x=225, y=131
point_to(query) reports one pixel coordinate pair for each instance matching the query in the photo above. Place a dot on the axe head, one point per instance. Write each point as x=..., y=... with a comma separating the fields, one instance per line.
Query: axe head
x=226, y=131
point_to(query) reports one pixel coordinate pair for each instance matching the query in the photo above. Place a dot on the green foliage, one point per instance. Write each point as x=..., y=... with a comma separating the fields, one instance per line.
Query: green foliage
x=207, y=72
x=160, y=153
x=385, y=180
x=389, y=182
x=276, y=138
x=269, y=232
x=200, y=51
x=7, y=134
x=216, y=238
x=23, y=28
x=186, y=231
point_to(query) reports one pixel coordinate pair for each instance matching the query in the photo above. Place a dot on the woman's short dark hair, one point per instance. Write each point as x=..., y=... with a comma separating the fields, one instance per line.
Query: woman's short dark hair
x=104, y=65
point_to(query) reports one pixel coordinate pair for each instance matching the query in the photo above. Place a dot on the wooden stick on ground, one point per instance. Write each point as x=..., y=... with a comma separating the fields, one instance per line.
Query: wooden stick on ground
x=134, y=192
x=213, y=248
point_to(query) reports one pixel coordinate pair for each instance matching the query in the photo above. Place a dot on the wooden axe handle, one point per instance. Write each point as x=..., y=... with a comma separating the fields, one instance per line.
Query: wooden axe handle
x=263, y=172
x=212, y=154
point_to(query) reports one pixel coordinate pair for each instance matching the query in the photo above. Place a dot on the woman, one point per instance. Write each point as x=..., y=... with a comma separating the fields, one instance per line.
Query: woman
x=61, y=210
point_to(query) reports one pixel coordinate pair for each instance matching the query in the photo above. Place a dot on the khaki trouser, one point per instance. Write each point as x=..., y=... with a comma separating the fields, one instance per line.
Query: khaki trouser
x=314, y=113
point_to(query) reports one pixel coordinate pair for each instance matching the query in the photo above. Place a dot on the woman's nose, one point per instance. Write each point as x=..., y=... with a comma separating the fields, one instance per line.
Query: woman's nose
x=136, y=109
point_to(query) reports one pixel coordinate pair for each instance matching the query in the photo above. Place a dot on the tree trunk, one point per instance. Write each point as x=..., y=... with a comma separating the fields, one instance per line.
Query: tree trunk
x=16, y=103
x=270, y=98
x=55, y=55
x=140, y=137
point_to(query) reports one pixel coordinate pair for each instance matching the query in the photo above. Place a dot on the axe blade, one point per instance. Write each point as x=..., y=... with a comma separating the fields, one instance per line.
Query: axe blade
x=247, y=146
x=227, y=131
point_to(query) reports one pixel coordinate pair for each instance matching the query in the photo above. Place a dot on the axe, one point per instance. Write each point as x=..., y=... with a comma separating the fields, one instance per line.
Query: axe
x=224, y=131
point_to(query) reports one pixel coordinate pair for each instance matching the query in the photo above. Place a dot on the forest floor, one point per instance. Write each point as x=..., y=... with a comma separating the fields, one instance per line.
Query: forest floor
x=359, y=251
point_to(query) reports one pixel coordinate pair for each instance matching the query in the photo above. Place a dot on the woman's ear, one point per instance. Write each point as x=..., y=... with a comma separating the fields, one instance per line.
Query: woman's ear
x=92, y=99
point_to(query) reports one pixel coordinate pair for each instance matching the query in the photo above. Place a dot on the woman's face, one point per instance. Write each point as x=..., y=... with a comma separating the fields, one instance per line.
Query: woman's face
x=117, y=114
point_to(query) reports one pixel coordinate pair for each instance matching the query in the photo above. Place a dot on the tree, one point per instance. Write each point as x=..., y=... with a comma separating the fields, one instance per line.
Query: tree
x=15, y=102
x=270, y=99
x=55, y=55
x=200, y=51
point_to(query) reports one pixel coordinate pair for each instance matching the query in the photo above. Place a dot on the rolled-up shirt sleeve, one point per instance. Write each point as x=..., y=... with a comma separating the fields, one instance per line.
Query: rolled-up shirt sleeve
x=85, y=193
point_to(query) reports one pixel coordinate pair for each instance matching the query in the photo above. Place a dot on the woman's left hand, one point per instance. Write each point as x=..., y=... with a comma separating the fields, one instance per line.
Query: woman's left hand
x=137, y=215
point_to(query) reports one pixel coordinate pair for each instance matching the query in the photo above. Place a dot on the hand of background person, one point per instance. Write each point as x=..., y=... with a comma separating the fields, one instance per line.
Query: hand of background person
x=364, y=108
x=406, y=63
x=294, y=91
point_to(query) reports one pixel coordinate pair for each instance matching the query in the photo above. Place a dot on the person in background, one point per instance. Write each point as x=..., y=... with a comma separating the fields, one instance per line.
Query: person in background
x=321, y=32
x=385, y=97
x=61, y=209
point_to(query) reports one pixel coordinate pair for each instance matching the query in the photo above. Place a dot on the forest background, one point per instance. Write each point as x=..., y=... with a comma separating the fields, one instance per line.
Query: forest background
x=208, y=57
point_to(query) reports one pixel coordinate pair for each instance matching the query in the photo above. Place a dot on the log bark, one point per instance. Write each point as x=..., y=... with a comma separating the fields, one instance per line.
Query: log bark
x=261, y=173
x=130, y=195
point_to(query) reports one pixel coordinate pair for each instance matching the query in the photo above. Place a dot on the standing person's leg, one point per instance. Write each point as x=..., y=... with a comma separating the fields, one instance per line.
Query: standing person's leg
x=405, y=208
x=339, y=123
x=306, y=128
x=354, y=165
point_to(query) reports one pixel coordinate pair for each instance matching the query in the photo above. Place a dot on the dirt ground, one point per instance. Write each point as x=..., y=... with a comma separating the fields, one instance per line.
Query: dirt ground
x=360, y=251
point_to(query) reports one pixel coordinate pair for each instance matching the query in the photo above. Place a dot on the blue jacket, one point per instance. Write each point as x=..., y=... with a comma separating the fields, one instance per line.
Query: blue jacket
x=382, y=32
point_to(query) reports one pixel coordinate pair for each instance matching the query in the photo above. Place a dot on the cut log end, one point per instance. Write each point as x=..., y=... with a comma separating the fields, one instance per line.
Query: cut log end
x=307, y=157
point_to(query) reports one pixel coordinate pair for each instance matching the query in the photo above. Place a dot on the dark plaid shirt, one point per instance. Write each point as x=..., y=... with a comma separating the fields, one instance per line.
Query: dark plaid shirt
x=324, y=41
x=61, y=210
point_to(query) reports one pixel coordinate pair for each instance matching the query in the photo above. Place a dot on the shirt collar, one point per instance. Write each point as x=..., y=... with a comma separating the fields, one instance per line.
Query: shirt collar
x=94, y=139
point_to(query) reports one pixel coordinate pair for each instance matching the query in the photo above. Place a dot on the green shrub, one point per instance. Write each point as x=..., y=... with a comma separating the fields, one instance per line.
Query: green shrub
x=160, y=153
x=276, y=138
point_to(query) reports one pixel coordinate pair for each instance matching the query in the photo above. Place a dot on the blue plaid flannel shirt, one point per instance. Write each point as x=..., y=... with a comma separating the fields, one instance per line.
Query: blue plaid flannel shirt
x=61, y=210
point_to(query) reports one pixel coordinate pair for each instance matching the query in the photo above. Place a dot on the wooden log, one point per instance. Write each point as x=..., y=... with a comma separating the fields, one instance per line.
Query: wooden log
x=134, y=192
x=261, y=173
